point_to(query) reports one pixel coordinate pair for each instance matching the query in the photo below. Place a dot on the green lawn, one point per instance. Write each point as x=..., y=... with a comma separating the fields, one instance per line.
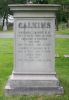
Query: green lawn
x=62, y=46
x=62, y=68
x=64, y=31
x=7, y=32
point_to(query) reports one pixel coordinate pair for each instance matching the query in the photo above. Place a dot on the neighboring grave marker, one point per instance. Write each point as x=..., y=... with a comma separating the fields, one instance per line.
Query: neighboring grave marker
x=34, y=51
x=5, y=25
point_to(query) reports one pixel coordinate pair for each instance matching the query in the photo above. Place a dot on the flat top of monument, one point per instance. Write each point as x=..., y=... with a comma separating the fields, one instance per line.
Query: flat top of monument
x=35, y=5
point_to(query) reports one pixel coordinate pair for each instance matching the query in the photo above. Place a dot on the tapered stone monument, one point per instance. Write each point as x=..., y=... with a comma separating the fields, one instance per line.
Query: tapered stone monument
x=34, y=51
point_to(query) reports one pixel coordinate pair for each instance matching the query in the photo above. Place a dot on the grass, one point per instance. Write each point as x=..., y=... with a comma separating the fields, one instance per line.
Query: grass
x=6, y=32
x=62, y=29
x=62, y=69
x=62, y=46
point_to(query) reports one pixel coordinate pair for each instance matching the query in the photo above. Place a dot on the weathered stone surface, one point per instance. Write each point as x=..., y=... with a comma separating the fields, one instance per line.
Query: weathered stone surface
x=34, y=53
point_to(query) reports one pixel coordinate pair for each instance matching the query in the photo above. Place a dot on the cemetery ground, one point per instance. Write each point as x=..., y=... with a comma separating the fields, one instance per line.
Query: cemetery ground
x=62, y=29
x=62, y=68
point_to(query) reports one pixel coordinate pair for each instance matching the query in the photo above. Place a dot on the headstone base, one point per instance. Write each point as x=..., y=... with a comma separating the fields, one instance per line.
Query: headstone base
x=33, y=85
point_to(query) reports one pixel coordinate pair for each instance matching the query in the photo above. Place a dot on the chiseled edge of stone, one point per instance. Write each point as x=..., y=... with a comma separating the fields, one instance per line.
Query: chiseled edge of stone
x=32, y=7
x=35, y=5
x=34, y=91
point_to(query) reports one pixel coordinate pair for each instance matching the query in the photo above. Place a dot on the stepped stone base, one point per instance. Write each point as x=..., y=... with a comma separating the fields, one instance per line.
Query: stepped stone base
x=33, y=85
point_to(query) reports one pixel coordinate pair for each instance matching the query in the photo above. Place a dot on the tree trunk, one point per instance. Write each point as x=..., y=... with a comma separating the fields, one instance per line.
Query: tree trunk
x=68, y=23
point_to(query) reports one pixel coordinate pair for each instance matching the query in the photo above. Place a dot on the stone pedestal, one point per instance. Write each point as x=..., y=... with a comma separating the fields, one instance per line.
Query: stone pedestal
x=34, y=51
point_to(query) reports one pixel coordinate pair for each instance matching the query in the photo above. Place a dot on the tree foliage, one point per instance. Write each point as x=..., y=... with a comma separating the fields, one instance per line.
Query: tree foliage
x=4, y=10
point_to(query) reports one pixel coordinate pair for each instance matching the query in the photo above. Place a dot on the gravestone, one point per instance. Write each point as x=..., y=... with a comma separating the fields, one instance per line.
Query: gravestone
x=34, y=51
x=5, y=25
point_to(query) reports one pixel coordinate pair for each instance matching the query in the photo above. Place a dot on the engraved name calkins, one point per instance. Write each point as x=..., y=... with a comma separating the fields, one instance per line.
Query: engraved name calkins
x=34, y=40
x=34, y=25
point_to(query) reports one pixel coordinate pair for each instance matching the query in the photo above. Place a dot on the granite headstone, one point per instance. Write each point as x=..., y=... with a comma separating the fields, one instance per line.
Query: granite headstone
x=34, y=51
